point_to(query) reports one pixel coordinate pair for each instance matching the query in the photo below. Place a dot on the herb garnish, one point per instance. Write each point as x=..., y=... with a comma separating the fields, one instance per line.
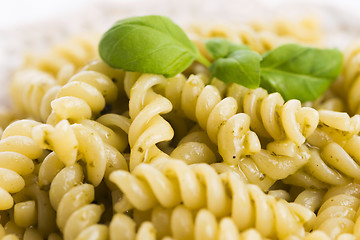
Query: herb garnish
x=149, y=44
x=300, y=72
x=154, y=44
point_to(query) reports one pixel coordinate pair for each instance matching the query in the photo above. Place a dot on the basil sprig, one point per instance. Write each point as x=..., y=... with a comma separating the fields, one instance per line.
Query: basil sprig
x=154, y=44
x=293, y=70
x=148, y=44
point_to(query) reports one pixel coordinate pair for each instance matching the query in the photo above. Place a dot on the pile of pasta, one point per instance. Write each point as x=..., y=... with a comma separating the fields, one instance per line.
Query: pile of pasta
x=101, y=153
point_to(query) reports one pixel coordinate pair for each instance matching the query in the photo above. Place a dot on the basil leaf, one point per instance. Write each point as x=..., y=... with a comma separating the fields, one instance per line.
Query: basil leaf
x=219, y=47
x=241, y=66
x=294, y=86
x=300, y=72
x=148, y=44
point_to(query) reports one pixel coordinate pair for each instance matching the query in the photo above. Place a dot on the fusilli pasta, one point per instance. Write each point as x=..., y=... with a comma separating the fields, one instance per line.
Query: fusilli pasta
x=113, y=154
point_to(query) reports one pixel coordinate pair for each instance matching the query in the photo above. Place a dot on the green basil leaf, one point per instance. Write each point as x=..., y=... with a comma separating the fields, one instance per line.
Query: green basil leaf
x=300, y=72
x=241, y=66
x=294, y=86
x=148, y=44
x=219, y=47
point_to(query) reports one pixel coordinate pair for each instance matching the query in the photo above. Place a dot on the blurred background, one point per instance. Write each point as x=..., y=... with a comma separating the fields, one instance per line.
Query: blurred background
x=35, y=25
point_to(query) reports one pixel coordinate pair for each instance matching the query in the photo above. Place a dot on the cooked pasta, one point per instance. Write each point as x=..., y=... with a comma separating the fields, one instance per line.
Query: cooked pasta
x=105, y=153
x=74, y=217
x=85, y=95
x=196, y=147
x=147, y=128
x=32, y=208
x=17, y=152
x=272, y=117
x=337, y=138
x=200, y=186
x=224, y=126
x=81, y=142
x=350, y=81
x=338, y=212
x=181, y=223
x=33, y=91
x=65, y=59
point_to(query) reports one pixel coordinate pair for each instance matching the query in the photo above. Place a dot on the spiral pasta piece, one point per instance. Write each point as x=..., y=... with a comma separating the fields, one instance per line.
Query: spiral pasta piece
x=147, y=128
x=338, y=212
x=195, y=147
x=199, y=186
x=65, y=59
x=33, y=91
x=32, y=209
x=17, y=152
x=124, y=228
x=116, y=75
x=113, y=137
x=219, y=118
x=35, y=85
x=77, y=142
x=272, y=117
x=181, y=223
x=280, y=160
x=85, y=95
x=351, y=78
x=335, y=158
x=74, y=218
x=311, y=199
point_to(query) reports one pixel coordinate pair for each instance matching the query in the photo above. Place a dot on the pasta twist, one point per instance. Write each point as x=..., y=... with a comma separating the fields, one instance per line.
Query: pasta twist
x=65, y=59
x=124, y=228
x=29, y=233
x=198, y=185
x=349, y=83
x=32, y=209
x=311, y=199
x=76, y=142
x=219, y=118
x=75, y=219
x=338, y=212
x=148, y=128
x=230, y=131
x=196, y=147
x=114, y=137
x=272, y=117
x=179, y=223
x=84, y=96
x=279, y=160
x=171, y=89
x=335, y=158
x=17, y=152
x=116, y=75
x=33, y=91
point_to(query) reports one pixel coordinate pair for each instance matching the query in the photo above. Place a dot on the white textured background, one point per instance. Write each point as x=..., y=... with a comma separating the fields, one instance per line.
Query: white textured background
x=34, y=25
